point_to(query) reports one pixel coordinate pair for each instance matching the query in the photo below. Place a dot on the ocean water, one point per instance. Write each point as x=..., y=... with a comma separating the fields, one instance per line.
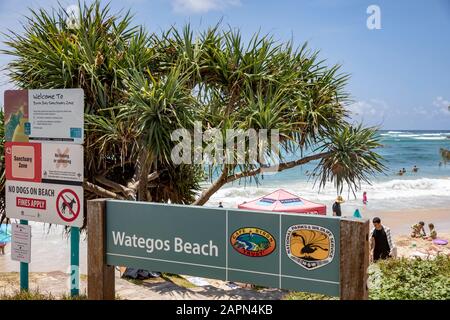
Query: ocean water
x=428, y=188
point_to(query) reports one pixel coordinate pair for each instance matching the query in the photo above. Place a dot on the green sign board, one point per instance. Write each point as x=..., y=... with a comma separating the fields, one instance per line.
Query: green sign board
x=280, y=250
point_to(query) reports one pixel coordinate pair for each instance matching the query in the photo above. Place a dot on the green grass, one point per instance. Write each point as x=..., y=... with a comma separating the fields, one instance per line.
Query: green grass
x=295, y=295
x=27, y=295
x=37, y=295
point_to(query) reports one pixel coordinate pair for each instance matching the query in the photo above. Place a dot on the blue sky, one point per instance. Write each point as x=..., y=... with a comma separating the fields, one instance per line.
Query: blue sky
x=400, y=74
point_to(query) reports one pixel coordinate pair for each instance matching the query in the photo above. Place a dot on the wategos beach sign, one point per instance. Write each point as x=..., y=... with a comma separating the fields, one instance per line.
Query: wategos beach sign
x=277, y=250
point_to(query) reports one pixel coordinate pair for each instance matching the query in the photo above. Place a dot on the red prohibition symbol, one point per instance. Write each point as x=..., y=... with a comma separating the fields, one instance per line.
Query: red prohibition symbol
x=65, y=202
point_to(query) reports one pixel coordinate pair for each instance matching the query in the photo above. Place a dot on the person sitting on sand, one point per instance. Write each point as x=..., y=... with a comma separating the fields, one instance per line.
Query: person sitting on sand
x=433, y=233
x=415, y=169
x=418, y=230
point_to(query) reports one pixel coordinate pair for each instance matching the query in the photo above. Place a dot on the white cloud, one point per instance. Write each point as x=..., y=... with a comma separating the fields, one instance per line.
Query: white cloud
x=367, y=108
x=443, y=105
x=202, y=6
x=370, y=112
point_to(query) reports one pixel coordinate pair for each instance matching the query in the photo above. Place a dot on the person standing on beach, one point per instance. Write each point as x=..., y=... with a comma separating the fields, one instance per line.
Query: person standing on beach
x=381, y=244
x=364, y=197
x=337, y=206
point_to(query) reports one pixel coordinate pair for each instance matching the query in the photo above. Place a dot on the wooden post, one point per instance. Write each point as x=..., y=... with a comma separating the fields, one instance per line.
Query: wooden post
x=101, y=280
x=354, y=259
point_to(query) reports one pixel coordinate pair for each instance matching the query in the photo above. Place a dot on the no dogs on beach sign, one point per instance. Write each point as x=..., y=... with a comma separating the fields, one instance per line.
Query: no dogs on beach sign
x=44, y=155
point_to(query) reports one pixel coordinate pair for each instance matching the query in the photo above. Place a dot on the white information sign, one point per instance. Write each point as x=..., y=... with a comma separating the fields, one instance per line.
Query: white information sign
x=56, y=115
x=62, y=163
x=45, y=202
x=21, y=242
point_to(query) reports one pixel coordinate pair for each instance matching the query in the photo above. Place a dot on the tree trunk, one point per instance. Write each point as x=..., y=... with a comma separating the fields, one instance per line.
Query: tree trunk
x=222, y=180
x=143, y=165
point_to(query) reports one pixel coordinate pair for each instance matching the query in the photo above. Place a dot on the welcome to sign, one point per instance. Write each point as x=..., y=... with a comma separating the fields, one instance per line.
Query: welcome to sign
x=289, y=251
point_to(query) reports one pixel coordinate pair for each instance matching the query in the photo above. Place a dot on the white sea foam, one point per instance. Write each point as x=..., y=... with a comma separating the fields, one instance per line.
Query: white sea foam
x=431, y=138
x=408, y=135
x=392, y=195
x=416, y=135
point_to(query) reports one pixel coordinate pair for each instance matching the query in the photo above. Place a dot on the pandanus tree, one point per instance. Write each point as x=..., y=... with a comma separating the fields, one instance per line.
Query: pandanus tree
x=141, y=87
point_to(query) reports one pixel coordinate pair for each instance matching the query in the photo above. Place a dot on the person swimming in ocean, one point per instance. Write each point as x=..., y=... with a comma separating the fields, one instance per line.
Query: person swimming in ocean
x=415, y=169
x=400, y=172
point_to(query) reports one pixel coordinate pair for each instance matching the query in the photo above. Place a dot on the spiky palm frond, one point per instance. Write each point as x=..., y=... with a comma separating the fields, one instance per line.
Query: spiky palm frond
x=352, y=157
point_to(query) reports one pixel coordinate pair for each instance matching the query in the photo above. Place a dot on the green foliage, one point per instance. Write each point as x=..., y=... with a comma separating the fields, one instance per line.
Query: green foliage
x=139, y=87
x=414, y=279
x=352, y=157
x=110, y=59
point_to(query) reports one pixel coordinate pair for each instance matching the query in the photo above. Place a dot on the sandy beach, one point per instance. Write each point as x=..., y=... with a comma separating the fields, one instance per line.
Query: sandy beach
x=400, y=222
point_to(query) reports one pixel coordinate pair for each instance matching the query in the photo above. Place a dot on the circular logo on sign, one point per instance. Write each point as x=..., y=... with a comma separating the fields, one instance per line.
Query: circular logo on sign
x=252, y=242
x=310, y=246
x=68, y=205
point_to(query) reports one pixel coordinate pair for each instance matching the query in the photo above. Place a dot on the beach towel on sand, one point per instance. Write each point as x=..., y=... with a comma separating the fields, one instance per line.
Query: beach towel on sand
x=441, y=242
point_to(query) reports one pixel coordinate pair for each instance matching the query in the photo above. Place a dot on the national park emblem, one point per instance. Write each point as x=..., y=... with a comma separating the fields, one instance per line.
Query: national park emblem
x=310, y=246
x=252, y=242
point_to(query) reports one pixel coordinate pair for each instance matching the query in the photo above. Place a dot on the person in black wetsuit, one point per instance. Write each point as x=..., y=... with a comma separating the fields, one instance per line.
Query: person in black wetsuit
x=381, y=241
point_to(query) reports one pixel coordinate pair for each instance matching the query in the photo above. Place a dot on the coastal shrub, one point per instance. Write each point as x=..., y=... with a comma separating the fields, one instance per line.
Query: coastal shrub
x=416, y=279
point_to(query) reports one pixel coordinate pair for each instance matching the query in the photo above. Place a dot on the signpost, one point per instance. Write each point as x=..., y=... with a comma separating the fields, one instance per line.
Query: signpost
x=281, y=250
x=21, y=249
x=44, y=162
